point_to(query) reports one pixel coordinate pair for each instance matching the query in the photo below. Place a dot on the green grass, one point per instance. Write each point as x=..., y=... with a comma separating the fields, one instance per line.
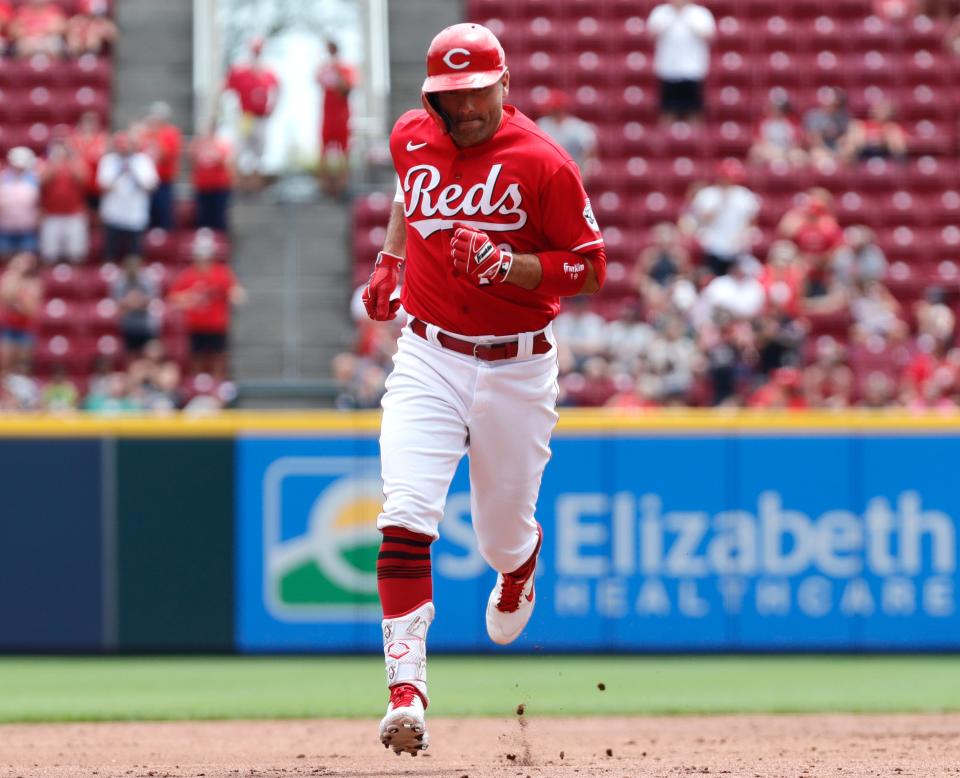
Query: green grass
x=72, y=689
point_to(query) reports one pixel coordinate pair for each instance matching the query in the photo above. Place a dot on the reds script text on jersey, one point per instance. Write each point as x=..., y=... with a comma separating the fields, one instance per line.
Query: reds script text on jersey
x=519, y=187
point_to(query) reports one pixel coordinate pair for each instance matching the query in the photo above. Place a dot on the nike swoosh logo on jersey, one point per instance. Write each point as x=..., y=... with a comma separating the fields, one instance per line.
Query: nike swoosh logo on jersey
x=411, y=146
x=529, y=596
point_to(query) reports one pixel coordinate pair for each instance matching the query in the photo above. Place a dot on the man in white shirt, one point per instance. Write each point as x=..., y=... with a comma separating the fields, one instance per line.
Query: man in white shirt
x=126, y=178
x=722, y=217
x=683, y=31
x=739, y=294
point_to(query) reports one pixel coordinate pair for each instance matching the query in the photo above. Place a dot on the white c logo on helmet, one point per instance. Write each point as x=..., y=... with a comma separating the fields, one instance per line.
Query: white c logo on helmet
x=448, y=58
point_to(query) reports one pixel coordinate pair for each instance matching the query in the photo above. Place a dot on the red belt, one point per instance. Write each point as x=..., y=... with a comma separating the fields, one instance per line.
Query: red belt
x=488, y=352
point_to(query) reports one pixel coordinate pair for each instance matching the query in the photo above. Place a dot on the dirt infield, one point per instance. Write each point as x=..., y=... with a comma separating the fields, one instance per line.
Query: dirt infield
x=735, y=746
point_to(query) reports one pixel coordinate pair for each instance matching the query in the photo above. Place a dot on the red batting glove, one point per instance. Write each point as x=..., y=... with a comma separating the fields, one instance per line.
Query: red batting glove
x=475, y=255
x=383, y=280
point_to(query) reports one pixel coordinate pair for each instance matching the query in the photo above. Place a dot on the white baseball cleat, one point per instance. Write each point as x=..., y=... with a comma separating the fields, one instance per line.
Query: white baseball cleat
x=404, y=728
x=511, y=602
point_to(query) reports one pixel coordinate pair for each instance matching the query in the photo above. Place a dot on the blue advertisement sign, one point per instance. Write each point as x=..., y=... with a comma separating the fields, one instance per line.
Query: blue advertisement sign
x=652, y=543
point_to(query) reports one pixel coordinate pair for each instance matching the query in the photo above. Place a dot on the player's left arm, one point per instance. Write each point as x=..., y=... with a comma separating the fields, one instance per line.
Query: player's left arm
x=567, y=221
x=527, y=272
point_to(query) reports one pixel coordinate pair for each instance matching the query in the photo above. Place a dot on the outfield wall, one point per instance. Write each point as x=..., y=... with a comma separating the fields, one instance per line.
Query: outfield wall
x=663, y=532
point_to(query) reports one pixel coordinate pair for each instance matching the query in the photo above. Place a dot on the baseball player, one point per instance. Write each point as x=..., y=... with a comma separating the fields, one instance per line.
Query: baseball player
x=492, y=226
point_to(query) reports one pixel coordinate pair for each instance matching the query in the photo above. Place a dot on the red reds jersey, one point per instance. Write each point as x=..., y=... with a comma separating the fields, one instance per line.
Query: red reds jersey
x=519, y=187
x=255, y=87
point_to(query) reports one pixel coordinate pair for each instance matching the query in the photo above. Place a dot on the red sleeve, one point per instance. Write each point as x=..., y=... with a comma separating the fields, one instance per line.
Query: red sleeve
x=568, y=222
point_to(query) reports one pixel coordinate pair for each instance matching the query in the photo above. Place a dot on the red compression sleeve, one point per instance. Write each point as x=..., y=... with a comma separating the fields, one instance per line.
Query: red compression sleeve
x=563, y=273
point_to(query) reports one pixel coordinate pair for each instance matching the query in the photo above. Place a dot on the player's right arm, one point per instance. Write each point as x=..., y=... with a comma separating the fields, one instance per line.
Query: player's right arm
x=395, y=241
x=386, y=272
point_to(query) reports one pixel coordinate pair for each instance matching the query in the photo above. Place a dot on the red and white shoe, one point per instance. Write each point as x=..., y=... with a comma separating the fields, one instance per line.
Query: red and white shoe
x=404, y=728
x=511, y=602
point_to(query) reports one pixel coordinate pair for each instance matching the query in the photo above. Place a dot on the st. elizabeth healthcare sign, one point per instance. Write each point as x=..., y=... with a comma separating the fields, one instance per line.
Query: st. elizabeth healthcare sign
x=732, y=541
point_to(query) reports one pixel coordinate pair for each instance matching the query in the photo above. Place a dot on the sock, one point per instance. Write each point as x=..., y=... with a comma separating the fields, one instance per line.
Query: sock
x=403, y=571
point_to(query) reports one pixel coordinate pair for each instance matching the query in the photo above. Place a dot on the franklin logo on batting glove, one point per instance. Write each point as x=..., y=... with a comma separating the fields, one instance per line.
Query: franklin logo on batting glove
x=475, y=255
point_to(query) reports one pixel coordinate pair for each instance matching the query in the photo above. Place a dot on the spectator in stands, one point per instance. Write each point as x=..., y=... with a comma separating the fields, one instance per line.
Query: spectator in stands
x=212, y=165
x=163, y=142
x=722, y=216
x=782, y=279
x=738, y=293
x=91, y=31
x=19, y=202
x=726, y=344
x=135, y=293
x=578, y=138
x=126, y=178
x=828, y=380
x=581, y=332
x=878, y=391
x=778, y=136
x=19, y=392
x=156, y=378
x=21, y=295
x=256, y=87
x=112, y=398
x=859, y=258
x=205, y=292
x=876, y=136
x=812, y=226
x=90, y=141
x=895, y=10
x=683, y=31
x=875, y=312
x=673, y=362
x=663, y=260
x=336, y=79
x=38, y=27
x=60, y=393
x=826, y=124
x=784, y=390
x=779, y=340
x=65, y=227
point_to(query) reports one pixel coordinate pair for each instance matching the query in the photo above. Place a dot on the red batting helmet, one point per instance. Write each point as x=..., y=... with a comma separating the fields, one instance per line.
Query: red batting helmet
x=464, y=56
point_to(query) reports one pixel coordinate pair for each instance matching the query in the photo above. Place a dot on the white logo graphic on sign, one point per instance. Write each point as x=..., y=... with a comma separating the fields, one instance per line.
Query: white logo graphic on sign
x=321, y=566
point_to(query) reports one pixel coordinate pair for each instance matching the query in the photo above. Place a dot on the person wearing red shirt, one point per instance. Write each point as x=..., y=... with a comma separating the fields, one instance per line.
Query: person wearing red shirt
x=256, y=88
x=37, y=28
x=812, y=226
x=90, y=141
x=205, y=293
x=492, y=226
x=64, y=227
x=336, y=79
x=211, y=161
x=163, y=142
x=6, y=14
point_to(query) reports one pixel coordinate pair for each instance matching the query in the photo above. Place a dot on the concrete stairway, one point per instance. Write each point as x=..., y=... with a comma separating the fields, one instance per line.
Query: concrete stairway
x=294, y=260
x=154, y=60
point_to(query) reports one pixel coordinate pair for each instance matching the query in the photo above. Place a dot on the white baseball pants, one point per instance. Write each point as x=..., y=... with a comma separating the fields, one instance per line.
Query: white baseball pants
x=440, y=405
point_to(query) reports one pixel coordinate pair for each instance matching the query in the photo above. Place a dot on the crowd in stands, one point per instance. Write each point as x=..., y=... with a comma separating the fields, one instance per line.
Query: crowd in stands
x=113, y=296
x=746, y=296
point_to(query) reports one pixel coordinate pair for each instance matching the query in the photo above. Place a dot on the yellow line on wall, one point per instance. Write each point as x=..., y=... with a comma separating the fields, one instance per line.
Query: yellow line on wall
x=572, y=421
